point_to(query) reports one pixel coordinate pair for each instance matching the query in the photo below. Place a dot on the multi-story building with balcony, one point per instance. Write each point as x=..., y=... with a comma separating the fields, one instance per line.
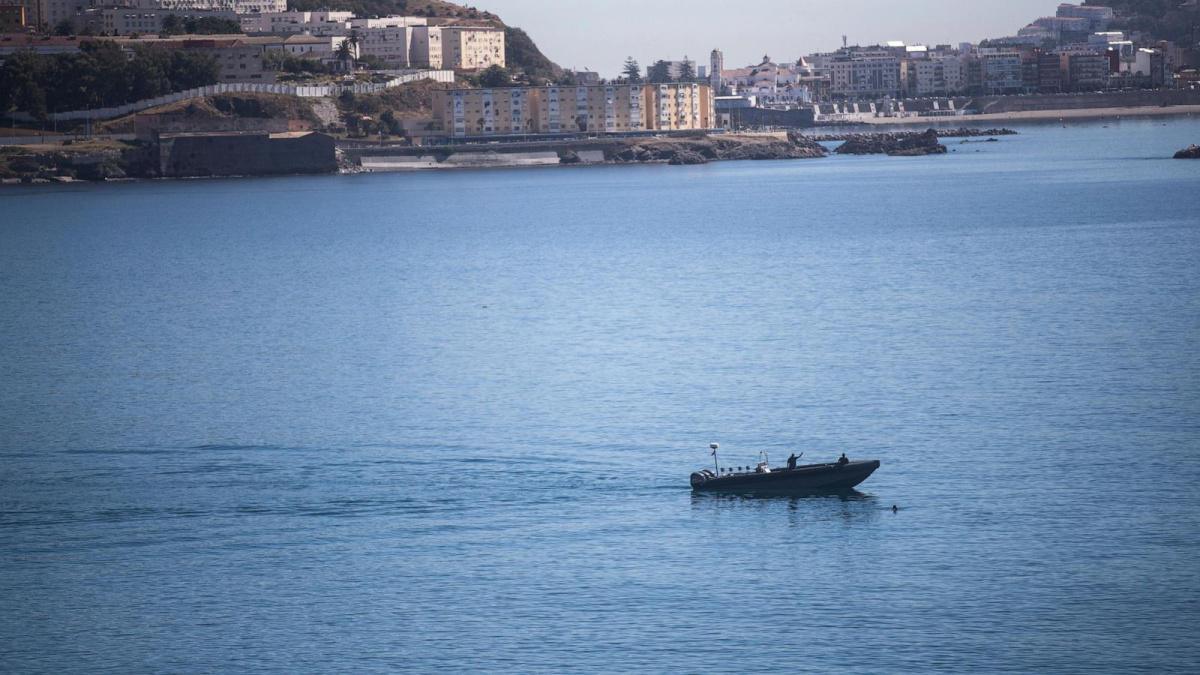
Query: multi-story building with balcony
x=938, y=75
x=472, y=47
x=592, y=109
x=1002, y=71
x=1087, y=71
x=867, y=75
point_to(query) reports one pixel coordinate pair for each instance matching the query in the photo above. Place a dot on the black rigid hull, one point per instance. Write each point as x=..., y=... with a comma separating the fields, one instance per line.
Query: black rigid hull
x=814, y=478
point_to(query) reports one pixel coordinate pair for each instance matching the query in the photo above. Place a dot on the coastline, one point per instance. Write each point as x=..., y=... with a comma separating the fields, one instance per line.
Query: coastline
x=100, y=161
x=1078, y=114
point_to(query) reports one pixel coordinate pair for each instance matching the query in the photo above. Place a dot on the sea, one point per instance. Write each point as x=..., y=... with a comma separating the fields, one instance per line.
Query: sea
x=431, y=422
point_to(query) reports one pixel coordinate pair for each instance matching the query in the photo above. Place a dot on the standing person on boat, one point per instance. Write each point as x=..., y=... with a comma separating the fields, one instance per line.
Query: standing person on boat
x=791, y=464
x=842, y=461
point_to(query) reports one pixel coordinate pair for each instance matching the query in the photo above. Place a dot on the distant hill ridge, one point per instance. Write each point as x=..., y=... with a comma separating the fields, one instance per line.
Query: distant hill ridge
x=521, y=53
x=1163, y=19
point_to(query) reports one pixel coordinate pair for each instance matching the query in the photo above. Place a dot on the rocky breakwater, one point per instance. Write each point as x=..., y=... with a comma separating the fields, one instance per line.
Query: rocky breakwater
x=702, y=149
x=903, y=144
x=95, y=160
x=967, y=132
x=1190, y=152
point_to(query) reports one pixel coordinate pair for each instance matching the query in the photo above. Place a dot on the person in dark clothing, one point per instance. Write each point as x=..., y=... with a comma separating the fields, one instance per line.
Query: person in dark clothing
x=842, y=461
x=792, y=462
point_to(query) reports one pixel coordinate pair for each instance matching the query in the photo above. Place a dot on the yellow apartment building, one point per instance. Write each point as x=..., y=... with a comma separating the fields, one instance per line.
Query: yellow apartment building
x=593, y=109
x=680, y=106
x=484, y=112
x=605, y=108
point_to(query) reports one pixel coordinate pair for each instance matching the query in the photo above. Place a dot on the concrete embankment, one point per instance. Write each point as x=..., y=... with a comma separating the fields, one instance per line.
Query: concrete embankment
x=990, y=105
x=1053, y=107
x=172, y=156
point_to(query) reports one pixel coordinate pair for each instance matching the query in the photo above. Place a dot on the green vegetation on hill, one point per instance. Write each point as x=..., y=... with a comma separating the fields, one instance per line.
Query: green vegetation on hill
x=1162, y=19
x=430, y=8
x=222, y=106
x=99, y=76
x=522, y=55
x=368, y=114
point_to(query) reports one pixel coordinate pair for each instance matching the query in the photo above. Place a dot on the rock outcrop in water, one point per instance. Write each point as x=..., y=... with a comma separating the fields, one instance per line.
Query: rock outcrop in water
x=904, y=144
x=961, y=132
x=703, y=148
x=1190, y=152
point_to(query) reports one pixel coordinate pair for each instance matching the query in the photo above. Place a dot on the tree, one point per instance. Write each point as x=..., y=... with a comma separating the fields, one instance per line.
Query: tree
x=64, y=27
x=632, y=71
x=393, y=125
x=192, y=69
x=104, y=71
x=495, y=76
x=21, y=88
x=148, y=73
x=347, y=50
x=99, y=75
x=172, y=25
x=659, y=72
x=686, y=72
x=212, y=26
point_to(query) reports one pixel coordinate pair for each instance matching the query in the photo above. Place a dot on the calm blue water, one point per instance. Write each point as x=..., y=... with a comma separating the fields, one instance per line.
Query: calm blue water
x=445, y=422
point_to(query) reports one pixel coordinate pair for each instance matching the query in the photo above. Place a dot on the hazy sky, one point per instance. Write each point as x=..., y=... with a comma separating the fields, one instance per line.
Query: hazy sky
x=600, y=34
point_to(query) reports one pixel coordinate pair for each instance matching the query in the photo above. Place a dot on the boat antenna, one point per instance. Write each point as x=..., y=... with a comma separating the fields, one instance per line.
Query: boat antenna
x=714, y=447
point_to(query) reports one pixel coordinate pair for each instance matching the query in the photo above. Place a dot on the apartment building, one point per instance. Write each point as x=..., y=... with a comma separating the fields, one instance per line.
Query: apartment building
x=391, y=44
x=472, y=47
x=313, y=23
x=240, y=59
x=937, y=75
x=593, y=109
x=50, y=13
x=319, y=47
x=868, y=75
x=426, y=51
x=681, y=106
x=130, y=20
x=1087, y=72
x=235, y=6
x=608, y=108
x=483, y=112
x=12, y=18
x=1002, y=72
x=412, y=46
x=1051, y=79
x=1098, y=18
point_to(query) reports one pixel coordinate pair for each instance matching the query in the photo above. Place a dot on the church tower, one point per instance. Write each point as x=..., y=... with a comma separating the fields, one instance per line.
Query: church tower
x=716, y=64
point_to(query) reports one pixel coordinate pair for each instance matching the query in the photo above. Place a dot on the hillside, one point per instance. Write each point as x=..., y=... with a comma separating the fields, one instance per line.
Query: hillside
x=1162, y=19
x=429, y=8
x=222, y=106
x=522, y=54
